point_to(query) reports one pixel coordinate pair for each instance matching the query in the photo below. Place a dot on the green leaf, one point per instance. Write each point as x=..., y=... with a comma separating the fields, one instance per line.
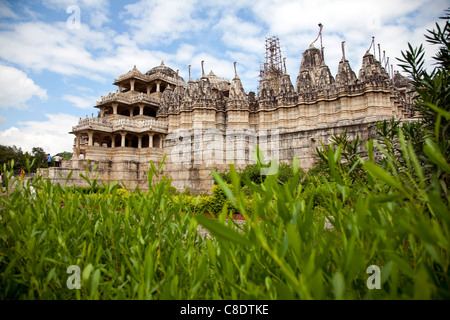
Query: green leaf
x=377, y=172
x=338, y=285
x=224, y=187
x=433, y=152
x=222, y=231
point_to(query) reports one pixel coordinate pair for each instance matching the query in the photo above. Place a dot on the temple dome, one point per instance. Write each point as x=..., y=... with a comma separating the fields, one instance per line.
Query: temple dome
x=162, y=68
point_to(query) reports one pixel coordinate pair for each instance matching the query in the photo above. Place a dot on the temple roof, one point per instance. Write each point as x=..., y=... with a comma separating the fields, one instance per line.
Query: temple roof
x=162, y=68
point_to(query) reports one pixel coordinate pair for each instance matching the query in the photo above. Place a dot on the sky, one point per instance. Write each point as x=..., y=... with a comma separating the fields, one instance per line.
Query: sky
x=58, y=57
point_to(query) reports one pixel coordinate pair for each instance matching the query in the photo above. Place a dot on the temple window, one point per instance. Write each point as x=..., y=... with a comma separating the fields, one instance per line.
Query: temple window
x=150, y=112
x=145, y=141
x=156, y=141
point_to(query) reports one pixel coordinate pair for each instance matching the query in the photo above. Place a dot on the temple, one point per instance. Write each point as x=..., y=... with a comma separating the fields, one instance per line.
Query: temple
x=211, y=122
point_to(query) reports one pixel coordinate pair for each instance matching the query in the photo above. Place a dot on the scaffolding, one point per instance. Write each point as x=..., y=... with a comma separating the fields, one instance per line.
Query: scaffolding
x=273, y=67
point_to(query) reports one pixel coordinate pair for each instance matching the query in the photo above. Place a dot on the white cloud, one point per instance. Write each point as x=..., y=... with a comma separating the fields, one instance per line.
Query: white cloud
x=85, y=102
x=162, y=21
x=16, y=88
x=240, y=34
x=6, y=12
x=51, y=135
x=93, y=12
x=219, y=32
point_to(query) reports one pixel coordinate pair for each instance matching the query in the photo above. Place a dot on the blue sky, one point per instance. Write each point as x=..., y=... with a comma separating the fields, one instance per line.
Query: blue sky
x=58, y=57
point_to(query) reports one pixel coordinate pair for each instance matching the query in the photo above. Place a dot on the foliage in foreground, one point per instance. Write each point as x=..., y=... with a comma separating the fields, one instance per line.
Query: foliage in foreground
x=149, y=247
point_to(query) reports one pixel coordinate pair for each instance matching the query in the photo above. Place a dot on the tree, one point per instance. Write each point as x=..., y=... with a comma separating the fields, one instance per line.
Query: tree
x=432, y=100
x=39, y=157
x=8, y=153
x=65, y=155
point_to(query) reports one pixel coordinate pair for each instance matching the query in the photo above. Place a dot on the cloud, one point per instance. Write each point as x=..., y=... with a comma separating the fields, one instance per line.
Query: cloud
x=162, y=21
x=85, y=102
x=6, y=12
x=93, y=12
x=16, y=88
x=184, y=32
x=51, y=135
x=240, y=34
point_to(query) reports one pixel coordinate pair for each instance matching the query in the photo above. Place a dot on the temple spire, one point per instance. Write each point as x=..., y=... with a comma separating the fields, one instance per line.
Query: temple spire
x=379, y=53
x=372, y=43
x=319, y=35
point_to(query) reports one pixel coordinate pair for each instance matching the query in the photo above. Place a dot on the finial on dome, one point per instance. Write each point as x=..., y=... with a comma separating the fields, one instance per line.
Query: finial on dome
x=203, y=70
x=371, y=44
x=235, y=72
x=343, y=50
x=319, y=35
x=162, y=62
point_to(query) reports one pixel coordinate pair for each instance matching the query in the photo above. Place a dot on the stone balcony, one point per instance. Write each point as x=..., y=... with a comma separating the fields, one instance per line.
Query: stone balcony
x=135, y=126
x=149, y=78
x=128, y=98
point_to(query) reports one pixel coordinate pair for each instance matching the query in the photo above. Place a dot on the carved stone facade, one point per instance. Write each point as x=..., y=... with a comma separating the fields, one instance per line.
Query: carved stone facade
x=211, y=122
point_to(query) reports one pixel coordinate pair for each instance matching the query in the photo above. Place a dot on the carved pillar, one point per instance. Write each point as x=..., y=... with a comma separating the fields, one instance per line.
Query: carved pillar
x=158, y=86
x=91, y=138
x=113, y=142
x=139, y=142
x=160, y=141
x=141, y=109
x=148, y=89
x=115, y=106
x=77, y=142
x=150, y=140
x=123, y=139
x=102, y=112
x=120, y=88
x=132, y=81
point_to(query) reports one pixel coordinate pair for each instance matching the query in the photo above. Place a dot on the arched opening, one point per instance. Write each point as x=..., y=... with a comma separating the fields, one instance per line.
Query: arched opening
x=118, y=140
x=145, y=141
x=97, y=140
x=106, y=142
x=107, y=111
x=156, y=141
x=123, y=111
x=84, y=139
x=149, y=112
x=131, y=141
x=153, y=89
x=136, y=111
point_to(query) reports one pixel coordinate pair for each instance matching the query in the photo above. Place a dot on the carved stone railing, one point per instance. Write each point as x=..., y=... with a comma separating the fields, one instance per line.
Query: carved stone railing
x=127, y=98
x=137, y=126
